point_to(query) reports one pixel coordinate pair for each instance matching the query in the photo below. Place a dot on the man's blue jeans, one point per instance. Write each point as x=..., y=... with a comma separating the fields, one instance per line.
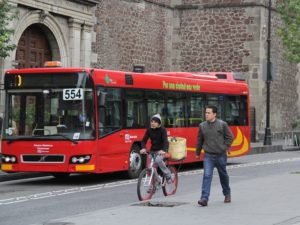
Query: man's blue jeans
x=209, y=163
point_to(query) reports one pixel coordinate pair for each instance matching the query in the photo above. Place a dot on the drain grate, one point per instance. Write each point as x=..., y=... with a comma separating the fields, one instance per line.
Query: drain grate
x=160, y=204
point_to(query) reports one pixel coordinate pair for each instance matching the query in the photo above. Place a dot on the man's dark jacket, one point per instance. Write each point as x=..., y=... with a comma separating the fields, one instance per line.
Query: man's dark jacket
x=214, y=137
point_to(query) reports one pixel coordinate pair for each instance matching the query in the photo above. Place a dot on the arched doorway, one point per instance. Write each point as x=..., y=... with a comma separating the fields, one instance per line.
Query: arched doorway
x=33, y=48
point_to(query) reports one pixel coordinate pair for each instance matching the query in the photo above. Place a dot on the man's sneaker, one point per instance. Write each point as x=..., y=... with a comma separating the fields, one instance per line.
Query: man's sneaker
x=202, y=202
x=227, y=199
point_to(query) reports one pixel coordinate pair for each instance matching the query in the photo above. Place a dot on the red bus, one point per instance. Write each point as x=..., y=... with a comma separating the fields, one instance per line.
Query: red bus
x=81, y=120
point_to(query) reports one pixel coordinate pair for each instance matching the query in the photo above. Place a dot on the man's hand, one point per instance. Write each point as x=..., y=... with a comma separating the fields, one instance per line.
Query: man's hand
x=143, y=151
x=161, y=152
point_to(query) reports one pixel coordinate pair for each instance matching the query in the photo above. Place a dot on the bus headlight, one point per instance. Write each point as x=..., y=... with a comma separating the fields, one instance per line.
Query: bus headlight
x=80, y=159
x=9, y=159
x=74, y=160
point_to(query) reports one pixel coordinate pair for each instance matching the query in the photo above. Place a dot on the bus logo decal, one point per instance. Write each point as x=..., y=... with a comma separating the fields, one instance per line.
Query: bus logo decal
x=128, y=138
x=43, y=158
x=108, y=80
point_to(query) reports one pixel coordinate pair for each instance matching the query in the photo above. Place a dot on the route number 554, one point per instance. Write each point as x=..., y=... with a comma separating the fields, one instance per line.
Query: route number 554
x=73, y=94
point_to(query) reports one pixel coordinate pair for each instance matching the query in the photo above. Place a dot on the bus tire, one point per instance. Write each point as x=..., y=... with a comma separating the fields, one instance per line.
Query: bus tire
x=135, y=164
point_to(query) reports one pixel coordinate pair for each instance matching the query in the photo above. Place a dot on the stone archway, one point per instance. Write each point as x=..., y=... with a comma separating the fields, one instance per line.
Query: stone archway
x=33, y=48
x=50, y=28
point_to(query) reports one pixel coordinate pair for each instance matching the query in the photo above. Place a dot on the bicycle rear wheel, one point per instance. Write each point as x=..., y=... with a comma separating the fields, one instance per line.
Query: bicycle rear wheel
x=170, y=188
x=145, y=185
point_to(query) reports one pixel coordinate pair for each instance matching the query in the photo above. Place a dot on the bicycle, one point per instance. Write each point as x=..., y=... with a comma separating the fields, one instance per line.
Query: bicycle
x=150, y=181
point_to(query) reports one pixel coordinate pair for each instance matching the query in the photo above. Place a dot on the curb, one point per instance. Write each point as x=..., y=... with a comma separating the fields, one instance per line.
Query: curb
x=266, y=149
x=272, y=148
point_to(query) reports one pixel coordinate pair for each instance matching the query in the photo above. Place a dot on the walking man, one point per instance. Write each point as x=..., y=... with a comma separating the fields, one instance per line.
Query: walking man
x=215, y=138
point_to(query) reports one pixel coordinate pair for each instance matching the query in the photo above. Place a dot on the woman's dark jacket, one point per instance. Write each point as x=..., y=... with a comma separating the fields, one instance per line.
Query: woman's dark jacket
x=158, y=137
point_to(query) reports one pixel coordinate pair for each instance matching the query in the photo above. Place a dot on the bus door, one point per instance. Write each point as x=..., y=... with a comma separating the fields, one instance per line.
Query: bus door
x=112, y=149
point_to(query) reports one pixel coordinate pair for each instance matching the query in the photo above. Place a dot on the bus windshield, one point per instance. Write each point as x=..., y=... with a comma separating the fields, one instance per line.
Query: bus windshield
x=49, y=106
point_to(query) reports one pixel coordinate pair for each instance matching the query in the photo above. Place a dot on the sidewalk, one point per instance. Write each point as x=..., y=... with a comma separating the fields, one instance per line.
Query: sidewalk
x=277, y=146
x=268, y=201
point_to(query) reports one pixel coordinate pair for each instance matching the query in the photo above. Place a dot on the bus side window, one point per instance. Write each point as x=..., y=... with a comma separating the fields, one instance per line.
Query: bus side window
x=236, y=110
x=135, y=109
x=218, y=101
x=196, y=110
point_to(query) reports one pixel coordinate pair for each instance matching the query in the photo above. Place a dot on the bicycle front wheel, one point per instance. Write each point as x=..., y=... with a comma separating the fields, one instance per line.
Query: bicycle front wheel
x=145, y=185
x=171, y=188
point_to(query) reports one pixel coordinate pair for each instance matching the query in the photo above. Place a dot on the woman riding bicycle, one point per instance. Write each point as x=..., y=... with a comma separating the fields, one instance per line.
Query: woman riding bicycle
x=159, y=144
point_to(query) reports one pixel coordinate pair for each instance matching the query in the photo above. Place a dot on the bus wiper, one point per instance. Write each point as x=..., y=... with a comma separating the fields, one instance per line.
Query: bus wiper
x=24, y=138
x=64, y=136
x=17, y=139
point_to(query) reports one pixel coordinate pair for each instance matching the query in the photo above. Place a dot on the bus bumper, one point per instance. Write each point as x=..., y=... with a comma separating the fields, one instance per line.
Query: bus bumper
x=73, y=168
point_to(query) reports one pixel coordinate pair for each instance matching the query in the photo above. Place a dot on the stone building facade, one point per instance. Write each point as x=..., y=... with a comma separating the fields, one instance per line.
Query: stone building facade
x=51, y=30
x=201, y=35
x=167, y=35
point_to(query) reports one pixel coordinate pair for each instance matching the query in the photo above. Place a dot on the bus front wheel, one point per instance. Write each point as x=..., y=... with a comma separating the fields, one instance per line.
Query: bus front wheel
x=135, y=162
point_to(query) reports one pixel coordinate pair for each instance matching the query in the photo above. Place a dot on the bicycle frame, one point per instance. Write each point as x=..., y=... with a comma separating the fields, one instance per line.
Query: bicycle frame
x=154, y=174
x=150, y=181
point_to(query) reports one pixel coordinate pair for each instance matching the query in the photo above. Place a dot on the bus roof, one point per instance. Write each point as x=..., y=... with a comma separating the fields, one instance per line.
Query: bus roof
x=211, y=82
x=214, y=82
x=48, y=70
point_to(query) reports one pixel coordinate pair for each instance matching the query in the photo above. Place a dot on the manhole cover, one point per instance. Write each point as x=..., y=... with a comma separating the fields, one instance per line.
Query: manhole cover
x=160, y=204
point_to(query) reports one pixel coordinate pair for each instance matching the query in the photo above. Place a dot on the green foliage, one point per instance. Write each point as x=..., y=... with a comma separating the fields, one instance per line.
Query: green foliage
x=290, y=32
x=6, y=15
x=294, y=125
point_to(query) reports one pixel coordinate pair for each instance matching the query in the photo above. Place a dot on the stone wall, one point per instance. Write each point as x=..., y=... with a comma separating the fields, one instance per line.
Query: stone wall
x=200, y=35
x=130, y=33
x=171, y=35
x=214, y=39
x=284, y=96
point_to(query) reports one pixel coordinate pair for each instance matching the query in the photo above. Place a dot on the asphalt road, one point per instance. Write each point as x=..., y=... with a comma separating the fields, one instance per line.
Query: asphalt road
x=43, y=199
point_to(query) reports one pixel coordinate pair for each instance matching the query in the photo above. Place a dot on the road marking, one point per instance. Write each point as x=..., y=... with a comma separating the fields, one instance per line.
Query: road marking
x=56, y=193
x=269, y=162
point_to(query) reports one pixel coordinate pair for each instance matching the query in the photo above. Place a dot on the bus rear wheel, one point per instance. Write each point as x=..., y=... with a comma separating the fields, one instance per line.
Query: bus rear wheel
x=135, y=162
